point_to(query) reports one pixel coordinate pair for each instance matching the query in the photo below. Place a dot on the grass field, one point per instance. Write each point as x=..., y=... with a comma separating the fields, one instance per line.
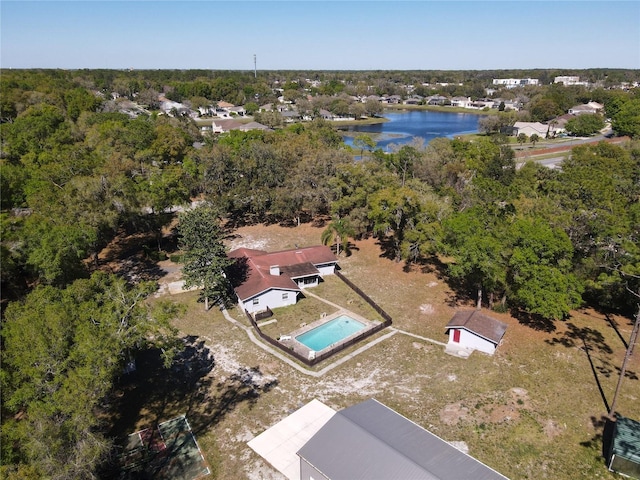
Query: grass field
x=532, y=411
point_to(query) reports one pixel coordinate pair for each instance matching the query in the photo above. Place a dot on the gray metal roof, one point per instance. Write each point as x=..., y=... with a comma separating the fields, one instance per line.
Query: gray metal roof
x=369, y=441
x=626, y=440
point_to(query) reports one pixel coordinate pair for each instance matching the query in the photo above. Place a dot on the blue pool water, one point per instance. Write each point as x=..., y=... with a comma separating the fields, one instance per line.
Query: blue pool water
x=331, y=332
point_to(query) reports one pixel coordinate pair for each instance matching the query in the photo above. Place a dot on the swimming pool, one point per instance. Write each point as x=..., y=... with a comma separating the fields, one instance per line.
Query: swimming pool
x=331, y=332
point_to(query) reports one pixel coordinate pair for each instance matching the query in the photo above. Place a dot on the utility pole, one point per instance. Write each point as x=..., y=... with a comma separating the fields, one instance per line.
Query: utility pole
x=255, y=68
x=623, y=369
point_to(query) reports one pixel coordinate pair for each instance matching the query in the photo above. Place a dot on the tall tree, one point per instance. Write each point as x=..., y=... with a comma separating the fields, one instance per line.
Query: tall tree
x=338, y=230
x=63, y=350
x=204, y=255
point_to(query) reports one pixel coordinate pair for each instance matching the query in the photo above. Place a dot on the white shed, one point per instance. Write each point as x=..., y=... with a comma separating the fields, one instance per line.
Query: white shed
x=472, y=330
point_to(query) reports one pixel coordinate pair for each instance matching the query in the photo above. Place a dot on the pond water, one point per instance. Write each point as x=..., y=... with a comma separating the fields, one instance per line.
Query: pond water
x=404, y=126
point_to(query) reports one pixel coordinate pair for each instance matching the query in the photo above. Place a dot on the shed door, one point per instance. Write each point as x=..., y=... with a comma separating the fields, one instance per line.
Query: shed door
x=456, y=336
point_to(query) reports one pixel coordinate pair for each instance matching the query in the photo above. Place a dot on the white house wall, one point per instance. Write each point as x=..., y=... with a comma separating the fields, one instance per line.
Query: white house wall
x=326, y=269
x=271, y=298
x=470, y=340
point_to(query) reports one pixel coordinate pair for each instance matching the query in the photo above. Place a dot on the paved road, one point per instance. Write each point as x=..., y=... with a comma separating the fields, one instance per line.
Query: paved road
x=562, y=150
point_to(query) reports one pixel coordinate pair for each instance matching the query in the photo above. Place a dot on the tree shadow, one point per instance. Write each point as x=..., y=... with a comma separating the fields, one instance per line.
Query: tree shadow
x=603, y=438
x=609, y=318
x=155, y=394
x=534, y=321
x=238, y=272
x=575, y=336
x=592, y=342
x=387, y=248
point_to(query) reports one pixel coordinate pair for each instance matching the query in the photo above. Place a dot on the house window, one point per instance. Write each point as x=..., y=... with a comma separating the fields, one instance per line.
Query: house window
x=285, y=295
x=256, y=301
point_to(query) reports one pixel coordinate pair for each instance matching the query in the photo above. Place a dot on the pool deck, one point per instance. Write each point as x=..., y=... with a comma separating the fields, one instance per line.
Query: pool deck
x=291, y=342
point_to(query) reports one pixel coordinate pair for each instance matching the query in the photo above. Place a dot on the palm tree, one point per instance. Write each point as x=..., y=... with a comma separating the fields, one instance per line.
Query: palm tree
x=339, y=230
x=522, y=137
x=534, y=139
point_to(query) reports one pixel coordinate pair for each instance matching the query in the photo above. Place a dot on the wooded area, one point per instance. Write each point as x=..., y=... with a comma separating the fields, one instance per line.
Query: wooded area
x=75, y=173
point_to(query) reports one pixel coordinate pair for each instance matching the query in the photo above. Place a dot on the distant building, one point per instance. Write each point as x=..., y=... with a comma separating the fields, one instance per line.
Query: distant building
x=530, y=128
x=590, y=108
x=569, y=80
x=515, y=82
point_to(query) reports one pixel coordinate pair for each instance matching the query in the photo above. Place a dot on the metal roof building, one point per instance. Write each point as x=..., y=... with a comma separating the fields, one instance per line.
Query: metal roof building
x=370, y=441
x=624, y=455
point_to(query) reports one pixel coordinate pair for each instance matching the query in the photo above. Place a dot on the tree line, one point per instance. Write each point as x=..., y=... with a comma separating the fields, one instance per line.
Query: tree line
x=537, y=241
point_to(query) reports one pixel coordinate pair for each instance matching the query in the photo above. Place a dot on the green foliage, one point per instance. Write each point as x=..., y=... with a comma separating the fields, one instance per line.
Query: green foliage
x=338, y=230
x=626, y=121
x=62, y=352
x=585, y=125
x=540, y=277
x=204, y=254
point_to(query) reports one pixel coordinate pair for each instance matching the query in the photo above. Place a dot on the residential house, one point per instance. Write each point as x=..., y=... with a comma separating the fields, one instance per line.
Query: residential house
x=265, y=280
x=224, y=125
x=245, y=127
x=326, y=114
x=511, y=105
x=172, y=108
x=437, y=100
x=589, y=108
x=239, y=111
x=463, y=102
x=560, y=123
x=392, y=99
x=290, y=116
x=530, y=128
x=472, y=330
x=414, y=100
x=371, y=441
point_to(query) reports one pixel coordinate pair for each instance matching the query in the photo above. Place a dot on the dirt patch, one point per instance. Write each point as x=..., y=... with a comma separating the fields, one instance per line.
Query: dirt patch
x=492, y=408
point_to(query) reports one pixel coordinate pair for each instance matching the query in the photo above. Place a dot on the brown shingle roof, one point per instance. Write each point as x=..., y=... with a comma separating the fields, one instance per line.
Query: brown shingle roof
x=480, y=324
x=296, y=263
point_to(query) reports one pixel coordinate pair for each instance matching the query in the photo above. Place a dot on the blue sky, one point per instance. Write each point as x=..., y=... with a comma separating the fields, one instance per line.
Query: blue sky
x=320, y=35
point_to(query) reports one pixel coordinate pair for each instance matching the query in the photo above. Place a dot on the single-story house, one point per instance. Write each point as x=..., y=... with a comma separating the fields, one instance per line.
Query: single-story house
x=472, y=330
x=414, y=100
x=560, y=123
x=437, y=100
x=245, y=127
x=624, y=452
x=225, y=125
x=370, y=441
x=264, y=280
x=591, y=108
x=529, y=128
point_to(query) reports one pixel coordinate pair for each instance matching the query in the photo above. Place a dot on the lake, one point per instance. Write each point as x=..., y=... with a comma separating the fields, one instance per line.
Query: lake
x=402, y=127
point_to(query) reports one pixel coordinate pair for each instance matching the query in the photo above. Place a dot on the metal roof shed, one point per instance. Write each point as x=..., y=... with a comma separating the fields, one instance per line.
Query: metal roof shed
x=624, y=455
x=369, y=441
